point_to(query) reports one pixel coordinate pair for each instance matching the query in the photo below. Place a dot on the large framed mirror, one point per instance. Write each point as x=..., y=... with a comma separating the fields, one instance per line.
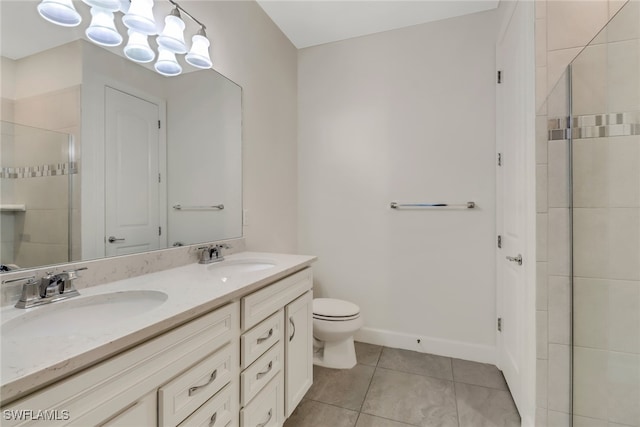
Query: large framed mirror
x=102, y=156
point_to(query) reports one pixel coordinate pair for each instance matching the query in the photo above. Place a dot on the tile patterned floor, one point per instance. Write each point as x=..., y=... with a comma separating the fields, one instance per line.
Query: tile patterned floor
x=399, y=388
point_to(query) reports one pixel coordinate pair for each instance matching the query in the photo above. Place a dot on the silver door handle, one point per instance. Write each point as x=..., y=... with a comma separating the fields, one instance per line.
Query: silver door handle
x=266, y=337
x=212, y=378
x=113, y=239
x=293, y=325
x=265, y=372
x=517, y=259
x=269, y=415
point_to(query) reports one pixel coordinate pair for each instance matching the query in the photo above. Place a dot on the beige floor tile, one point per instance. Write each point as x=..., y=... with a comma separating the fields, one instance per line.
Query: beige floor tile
x=414, y=362
x=412, y=399
x=341, y=387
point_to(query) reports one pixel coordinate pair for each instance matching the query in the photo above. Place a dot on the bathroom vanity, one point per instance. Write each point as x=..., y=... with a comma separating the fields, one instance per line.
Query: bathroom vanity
x=225, y=344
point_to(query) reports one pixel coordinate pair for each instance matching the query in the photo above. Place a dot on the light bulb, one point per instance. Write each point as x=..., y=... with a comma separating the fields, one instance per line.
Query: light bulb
x=59, y=12
x=102, y=30
x=167, y=65
x=137, y=48
x=172, y=36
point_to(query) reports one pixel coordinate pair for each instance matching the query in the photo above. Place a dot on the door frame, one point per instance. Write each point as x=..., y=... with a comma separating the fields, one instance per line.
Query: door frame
x=526, y=397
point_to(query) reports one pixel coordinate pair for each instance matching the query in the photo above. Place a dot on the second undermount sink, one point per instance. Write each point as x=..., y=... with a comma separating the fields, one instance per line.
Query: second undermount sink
x=240, y=266
x=83, y=315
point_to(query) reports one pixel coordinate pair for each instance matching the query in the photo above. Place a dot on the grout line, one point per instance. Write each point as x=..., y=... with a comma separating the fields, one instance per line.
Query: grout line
x=375, y=369
x=334, y=405
x=455, y=398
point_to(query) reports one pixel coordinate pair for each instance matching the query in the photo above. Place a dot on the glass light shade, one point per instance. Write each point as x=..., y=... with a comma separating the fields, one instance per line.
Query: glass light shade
x=140, y=17
x=137, y=48
x=166, y=63
x=60, y=12
x=172, y=37
x=112, y=5
x=102, y=30
x=198, y=56
x=124, y=6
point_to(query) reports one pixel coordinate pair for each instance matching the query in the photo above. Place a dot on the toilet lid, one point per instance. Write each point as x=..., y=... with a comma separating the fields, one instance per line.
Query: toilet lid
x=329, y=307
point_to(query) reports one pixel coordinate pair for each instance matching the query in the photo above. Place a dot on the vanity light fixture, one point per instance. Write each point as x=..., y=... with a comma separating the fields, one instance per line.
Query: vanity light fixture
x=112, y=5
x=138, y=49
x=139, y=20
x=198, y=56
x=172, y=37
x=102, y=30
x=167, y=65
x=60, y=12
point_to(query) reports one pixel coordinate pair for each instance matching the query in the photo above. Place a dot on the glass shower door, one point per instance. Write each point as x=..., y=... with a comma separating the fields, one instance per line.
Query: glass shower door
x=605, y=153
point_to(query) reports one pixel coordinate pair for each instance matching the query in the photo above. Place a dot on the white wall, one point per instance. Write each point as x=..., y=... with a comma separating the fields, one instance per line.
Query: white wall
x=248, y=48
x=406, y=115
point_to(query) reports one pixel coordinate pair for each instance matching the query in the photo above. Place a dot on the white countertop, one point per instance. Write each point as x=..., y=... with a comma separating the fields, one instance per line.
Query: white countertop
x=29, y=363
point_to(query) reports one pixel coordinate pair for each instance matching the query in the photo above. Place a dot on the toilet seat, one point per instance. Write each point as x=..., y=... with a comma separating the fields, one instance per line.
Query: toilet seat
x=334, y=310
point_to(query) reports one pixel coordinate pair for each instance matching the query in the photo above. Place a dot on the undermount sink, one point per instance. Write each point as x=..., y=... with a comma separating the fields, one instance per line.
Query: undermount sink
x=240, y=266
x=82, y=315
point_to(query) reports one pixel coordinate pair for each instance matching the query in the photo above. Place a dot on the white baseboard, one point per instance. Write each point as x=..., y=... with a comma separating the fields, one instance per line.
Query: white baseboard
x=458, y=349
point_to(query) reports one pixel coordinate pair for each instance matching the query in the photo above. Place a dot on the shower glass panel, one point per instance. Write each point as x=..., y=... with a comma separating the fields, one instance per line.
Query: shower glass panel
x=35, y=189
x=605, y=165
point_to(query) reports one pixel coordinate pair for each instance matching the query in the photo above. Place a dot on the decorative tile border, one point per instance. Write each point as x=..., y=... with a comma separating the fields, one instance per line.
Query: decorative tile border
x=594, y=126
x=39, y=171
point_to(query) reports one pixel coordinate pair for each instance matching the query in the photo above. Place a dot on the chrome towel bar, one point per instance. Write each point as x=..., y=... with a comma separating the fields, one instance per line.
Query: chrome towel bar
x=468, y=205
x=214, y=207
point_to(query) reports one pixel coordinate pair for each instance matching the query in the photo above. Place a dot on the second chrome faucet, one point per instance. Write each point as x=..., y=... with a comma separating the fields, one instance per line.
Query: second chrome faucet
x=212, y=253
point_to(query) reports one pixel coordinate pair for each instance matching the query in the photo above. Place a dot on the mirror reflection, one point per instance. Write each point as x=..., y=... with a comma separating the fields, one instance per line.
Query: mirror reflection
x=101, y=156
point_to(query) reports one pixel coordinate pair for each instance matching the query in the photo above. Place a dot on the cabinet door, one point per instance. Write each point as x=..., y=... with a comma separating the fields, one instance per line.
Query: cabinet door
x=141, y=413
x=298, y=350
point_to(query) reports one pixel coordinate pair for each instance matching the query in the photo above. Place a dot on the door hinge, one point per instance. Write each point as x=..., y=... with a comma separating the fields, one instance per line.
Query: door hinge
x=499, y=241
x=499, y=159
x=159, y=178
x=499, y=76
x=159, y=231
x=499, y=324
x=158, y=124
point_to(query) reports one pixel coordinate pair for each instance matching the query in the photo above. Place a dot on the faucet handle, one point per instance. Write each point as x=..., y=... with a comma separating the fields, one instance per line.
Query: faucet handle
x=73, y=274
x=29, y=279
x=30, y=290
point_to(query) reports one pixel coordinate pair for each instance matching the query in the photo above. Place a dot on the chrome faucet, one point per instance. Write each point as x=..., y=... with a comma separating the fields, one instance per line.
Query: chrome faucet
x=50, y=288
x=212, y=253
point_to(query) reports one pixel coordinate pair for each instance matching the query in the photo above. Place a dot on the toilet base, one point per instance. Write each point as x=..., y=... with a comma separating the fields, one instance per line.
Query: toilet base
x=335, y=354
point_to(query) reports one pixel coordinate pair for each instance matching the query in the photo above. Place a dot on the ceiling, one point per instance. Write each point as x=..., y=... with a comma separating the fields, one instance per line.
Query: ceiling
x=305, y=22
x=313, y=22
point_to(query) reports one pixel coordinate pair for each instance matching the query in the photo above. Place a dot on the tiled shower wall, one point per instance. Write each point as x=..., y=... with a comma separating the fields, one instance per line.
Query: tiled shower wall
x=563, y=28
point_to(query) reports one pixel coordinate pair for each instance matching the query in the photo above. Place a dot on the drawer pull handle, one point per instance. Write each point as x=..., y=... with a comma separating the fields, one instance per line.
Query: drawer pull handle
x=268, y=419
x=265, y=372
x=293, y=325
x=213, y=419
x=212, y=378
x=263, y=339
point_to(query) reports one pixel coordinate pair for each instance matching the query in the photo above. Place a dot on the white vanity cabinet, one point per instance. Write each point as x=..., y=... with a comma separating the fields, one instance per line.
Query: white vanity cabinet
x=149, y=384
x=276, y=349
x=298, y=350
x=247, y=363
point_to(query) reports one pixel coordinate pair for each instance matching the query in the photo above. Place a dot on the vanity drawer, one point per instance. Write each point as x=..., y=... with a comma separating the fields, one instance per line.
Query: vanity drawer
x=256, y=376
x=261, y=304
x=259, y=339
x=267, y=409
x=185, y=393
x=216, y=412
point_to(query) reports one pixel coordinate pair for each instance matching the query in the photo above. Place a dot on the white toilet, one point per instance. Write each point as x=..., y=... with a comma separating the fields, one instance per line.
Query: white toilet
x=334, y=323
